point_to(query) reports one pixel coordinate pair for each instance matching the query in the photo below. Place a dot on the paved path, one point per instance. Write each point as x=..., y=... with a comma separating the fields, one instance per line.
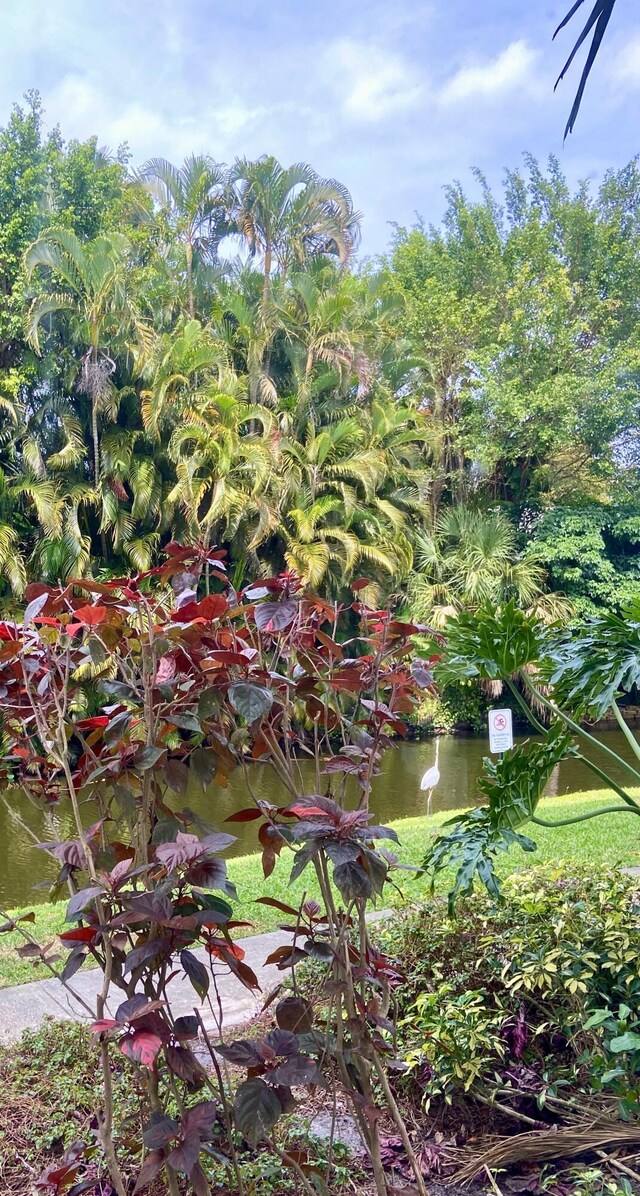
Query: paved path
x=25, y=1006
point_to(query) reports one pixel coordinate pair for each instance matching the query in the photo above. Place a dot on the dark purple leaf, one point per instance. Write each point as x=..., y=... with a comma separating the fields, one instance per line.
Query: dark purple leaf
x=199, y=1181
x=184, y=850
x=151, y=907
x=200, y=1119
x=296, y=1071
x=74, y=963
x=186, y=1027
x=241, y=1053
x=251, y=701
x=196, y=972
x=129, y=1010
x=160, y=1131
x=275, y=616
x=256, y=1109
x=204, y=766
x=142, y=954
x=183, y=1063
x=208, y=874
x=176, y=775
x=151, y=1167
x=147, y=756
x=295, y=1014
x=282, y=1041
x=80, y=901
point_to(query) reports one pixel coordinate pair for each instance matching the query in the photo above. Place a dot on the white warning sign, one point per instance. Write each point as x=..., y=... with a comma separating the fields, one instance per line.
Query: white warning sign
x=500, y=730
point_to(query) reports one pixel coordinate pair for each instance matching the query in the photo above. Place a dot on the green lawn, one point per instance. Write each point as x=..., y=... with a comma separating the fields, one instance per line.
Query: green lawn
x=614, y=839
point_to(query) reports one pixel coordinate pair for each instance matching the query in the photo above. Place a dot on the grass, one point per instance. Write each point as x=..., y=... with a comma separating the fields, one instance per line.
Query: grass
x=603, y=841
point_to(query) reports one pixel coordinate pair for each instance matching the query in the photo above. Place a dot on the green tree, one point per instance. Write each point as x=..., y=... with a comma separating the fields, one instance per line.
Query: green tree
x=347, y=491
x=288, y=216
x=590, y=553
x=524, y=316
x=192, y=197
x=471, y=558
x=223, y=451
x=99, y=303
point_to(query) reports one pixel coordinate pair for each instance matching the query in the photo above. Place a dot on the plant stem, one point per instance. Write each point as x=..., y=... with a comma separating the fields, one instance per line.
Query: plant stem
x=626, y=731
x=399, y=1121
x=584, y=817
x=288, y=1161
x=575, y=727
x=523, y=705
x=225, y=1104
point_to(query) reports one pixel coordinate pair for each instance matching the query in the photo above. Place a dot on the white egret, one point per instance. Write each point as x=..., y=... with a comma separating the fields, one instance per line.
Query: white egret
x=431, y=777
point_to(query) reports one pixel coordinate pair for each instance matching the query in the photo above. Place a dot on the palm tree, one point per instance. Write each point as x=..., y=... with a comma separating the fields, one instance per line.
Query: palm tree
x=223, y=451
x=96, y=294
x=193, y=198
x=246, y=326
x=472, y=558
x=174, y=365
x=335, y=512
x=30, y=505
x=287, y=216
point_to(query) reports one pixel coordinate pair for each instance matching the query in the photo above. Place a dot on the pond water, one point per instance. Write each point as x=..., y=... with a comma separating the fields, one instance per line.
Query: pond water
x=396, y=794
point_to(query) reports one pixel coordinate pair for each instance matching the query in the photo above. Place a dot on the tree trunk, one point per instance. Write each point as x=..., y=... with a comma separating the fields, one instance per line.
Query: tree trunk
x=96, y=441
x=190, y=298
x=267, y=274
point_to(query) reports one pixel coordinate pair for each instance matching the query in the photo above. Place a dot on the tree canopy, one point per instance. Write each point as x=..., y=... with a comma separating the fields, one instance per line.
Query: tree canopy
x=192, y=351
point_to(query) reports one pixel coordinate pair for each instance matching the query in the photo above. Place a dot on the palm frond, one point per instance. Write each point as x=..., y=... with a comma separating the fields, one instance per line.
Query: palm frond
x=599, y=17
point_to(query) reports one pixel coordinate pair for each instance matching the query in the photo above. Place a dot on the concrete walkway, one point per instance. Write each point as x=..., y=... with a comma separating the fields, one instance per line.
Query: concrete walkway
x=25, y=1006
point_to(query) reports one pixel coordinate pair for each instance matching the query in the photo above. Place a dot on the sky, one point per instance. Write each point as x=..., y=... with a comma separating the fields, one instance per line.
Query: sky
x=395, y=98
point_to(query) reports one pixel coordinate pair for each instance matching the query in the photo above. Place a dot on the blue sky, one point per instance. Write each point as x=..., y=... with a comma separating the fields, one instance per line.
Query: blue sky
x=395, y=98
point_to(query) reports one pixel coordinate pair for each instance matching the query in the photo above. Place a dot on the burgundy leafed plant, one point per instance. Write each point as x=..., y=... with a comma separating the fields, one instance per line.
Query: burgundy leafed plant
x=123, y=694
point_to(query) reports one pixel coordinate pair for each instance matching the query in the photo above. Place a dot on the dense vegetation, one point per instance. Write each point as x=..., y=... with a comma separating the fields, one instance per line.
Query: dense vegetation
x=193, y=352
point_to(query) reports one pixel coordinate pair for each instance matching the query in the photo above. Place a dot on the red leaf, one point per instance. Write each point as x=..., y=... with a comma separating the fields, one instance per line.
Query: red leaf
x=212, y=606
x=106, y=1023
x=91, y=616
x=275, y=904
x=84, y=934
x=88, y=724
x=248, y=815
x=223, y=950
x=307, y=811
x=360, y=584
x=142, y=1046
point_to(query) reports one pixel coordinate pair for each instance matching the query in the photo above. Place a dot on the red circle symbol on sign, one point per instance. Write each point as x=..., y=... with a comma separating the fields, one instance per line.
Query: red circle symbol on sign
x=500, y=722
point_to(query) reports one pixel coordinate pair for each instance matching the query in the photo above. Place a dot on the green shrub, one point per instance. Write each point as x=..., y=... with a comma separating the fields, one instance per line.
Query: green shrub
x=460, y=706
x=531, y=994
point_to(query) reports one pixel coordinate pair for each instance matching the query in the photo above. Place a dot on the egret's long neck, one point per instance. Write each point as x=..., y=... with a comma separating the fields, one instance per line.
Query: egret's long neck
x=437, y=748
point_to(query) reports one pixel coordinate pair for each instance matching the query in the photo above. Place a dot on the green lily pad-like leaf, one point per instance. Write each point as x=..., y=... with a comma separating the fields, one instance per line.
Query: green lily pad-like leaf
x=491, y=644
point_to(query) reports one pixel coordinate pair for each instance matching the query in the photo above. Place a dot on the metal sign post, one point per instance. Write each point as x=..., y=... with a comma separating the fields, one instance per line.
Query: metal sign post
x=500, y=731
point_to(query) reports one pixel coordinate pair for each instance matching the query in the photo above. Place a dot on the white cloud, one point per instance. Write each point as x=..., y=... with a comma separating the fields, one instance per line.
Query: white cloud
x=511, y=70
x=372, y=83
x=625, y=69
x=83, y=107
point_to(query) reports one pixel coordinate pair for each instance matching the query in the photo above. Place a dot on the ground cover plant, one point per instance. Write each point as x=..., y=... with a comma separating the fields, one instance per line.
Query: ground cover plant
x=527, y=999
x=50, y=1089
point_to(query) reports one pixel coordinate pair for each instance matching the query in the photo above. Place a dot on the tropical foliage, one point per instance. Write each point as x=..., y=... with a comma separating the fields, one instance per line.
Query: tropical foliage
x=192, y=352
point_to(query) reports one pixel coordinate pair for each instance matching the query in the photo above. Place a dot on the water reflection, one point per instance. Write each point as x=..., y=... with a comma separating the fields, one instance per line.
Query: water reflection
x=396, y=794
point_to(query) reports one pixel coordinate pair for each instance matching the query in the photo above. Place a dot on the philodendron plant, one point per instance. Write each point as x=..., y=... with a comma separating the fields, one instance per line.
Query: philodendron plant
x=567, y=676
x=118, y=696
